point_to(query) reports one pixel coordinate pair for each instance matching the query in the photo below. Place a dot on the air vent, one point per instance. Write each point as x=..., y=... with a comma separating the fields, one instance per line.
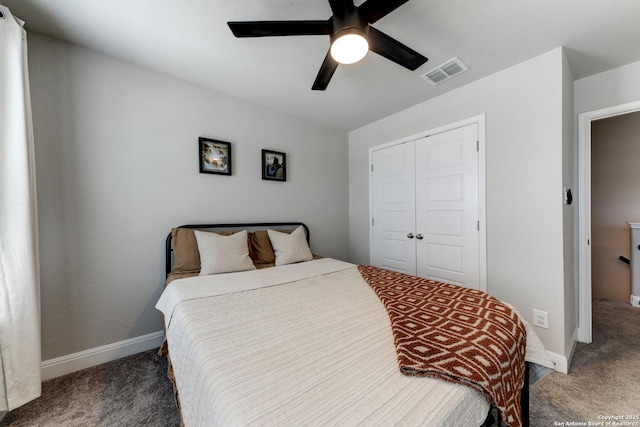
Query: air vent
x=445, y=71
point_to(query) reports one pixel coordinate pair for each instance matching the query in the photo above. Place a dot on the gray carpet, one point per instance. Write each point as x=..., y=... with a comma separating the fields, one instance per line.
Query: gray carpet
x=604, y=380
x=133, y=391
x=604, y=377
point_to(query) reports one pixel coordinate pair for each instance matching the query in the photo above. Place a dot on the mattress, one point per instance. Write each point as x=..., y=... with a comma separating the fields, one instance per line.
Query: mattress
x=300, y=344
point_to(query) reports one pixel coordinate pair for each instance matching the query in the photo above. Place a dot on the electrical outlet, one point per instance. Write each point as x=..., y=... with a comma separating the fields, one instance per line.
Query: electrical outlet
x=541, y=318
x=635, y=301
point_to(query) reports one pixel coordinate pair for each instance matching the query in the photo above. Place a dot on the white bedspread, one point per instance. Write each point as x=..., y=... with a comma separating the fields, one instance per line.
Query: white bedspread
x=302, y=344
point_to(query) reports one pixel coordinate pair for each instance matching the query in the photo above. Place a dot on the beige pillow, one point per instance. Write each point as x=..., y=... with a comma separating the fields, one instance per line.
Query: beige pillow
x=223, y=254
x=290, y=248
x=186, y=258
x=261, y=250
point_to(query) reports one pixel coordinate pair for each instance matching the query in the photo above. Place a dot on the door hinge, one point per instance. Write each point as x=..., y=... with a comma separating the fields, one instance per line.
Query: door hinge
x=477, y=145
x=371, y=167
x=373, y=222
x=478, y=225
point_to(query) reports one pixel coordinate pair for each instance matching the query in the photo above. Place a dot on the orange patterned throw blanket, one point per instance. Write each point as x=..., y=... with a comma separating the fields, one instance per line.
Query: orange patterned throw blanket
x=456, y=334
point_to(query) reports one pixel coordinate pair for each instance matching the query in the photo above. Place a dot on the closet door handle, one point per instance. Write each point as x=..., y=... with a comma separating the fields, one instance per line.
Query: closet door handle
x=410, y=235
x=419, y=237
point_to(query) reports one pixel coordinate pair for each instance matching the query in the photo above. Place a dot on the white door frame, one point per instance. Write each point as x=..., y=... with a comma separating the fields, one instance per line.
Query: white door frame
x=584, y=211
x=482, y=203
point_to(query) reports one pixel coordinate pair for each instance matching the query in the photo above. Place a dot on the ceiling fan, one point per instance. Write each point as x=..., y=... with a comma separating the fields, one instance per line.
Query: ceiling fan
x=350, y=34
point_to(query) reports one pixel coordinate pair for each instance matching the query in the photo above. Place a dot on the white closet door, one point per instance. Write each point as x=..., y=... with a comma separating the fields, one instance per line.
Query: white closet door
x=393, y=206
x=447, y=207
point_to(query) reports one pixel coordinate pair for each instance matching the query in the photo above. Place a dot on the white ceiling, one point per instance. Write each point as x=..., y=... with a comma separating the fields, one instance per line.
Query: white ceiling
x=190, y=39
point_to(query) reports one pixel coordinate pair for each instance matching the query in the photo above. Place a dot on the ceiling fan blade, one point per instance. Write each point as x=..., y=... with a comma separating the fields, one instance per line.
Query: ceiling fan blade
x=329, y=66
x=279, y=28
x=372, y=10
x=338, y=7
x=393, y=50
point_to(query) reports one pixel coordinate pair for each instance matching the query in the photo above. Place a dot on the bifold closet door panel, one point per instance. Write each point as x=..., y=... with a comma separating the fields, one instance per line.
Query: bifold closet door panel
x=393, y=208
x=447, y=207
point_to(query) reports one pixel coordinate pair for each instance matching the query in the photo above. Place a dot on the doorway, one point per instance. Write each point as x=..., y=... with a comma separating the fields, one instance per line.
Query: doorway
x=585, y=212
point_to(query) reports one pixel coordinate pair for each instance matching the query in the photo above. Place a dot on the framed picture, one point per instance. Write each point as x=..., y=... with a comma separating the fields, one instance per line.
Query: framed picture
x=274, y=165
x=214, y=156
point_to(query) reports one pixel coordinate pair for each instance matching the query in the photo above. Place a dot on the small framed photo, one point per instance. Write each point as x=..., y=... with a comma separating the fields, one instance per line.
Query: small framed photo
x=274, y=165
x=214, y=156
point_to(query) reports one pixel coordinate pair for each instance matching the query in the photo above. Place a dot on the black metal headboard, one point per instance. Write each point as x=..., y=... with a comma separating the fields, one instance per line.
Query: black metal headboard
x=251, y=226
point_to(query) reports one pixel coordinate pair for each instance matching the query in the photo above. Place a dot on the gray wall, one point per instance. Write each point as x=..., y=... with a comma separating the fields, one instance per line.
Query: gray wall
x=526, y=116
x=614, y=87
x=116, y=154
x=569, y=212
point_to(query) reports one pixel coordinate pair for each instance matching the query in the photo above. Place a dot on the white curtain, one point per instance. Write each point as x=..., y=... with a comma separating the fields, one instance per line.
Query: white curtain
x=20, y=356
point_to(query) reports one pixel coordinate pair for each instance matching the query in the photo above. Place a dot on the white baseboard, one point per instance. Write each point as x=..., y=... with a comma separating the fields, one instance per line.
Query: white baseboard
x=64, y=365
x=59, y=366
x=559, y=361
x=562, y=362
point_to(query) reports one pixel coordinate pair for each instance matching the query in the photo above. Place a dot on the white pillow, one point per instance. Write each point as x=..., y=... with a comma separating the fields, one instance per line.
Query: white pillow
x=223, y=254
x=290, y=248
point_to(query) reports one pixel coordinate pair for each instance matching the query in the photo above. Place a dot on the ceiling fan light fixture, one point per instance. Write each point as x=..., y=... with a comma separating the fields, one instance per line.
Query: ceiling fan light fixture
x=350, y=33
x=349, y=48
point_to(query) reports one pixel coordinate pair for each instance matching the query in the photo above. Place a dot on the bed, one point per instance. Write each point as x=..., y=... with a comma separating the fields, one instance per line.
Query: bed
x=294, y=339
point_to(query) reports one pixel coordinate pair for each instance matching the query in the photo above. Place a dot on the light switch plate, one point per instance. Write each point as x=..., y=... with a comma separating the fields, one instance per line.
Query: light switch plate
x=541, y=318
